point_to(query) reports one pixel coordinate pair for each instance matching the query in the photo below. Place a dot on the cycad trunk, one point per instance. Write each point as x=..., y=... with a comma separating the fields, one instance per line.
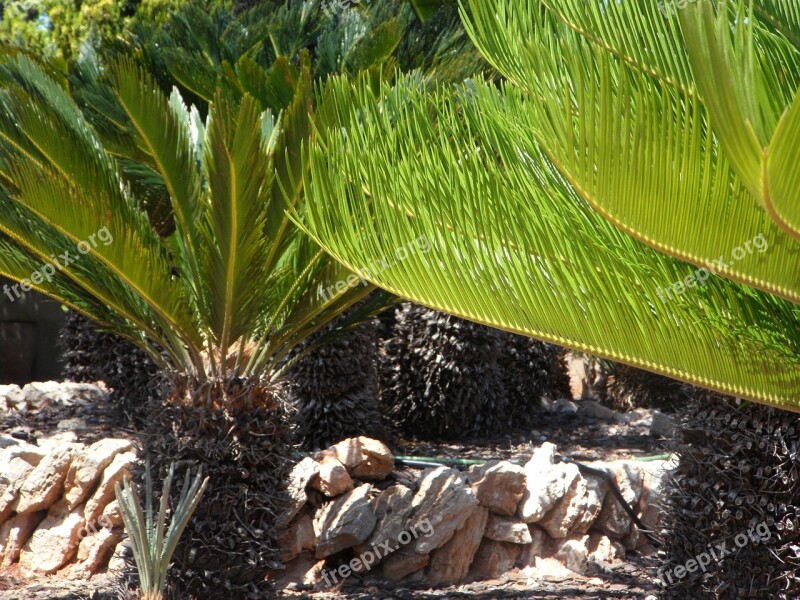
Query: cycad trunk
x=334, y=389
x=447, y=377
x=737, y=476
x=237, y=430
x=89, y=355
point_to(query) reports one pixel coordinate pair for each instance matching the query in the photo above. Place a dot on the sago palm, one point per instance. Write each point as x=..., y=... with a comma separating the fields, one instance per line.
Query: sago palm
x=630, y=192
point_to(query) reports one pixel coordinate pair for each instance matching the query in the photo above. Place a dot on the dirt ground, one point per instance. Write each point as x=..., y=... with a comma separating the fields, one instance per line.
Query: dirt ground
x=578, y=435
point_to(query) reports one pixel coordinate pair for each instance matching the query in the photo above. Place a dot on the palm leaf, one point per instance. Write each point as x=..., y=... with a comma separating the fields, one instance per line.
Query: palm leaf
x=513, y=245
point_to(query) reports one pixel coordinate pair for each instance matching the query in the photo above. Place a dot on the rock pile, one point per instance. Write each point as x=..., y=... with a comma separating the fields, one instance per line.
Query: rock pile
x=58, y=512
x=351, y=512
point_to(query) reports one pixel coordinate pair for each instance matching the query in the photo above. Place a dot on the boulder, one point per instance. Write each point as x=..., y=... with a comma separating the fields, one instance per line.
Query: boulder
x=363, y=457
x=507, y=529
x=602, y=549
x=299, y=477
x=298, y=537
x=444, y=502
x=572, y=505
x=541, y=546
x=55, y=541
x=104, y=494
x=94, y=552
x=18, y=461
x=46, y=393
x=590, y=505
x=87, y=468
x=572, y=553
x=391, y=508
x=450, y=563
x=45, y=483
x=545, y=486
x=112, y=516
x=498, y=485
x=15, y=533
x=10, y=397
x=403, y=563
x=494, y=558
x=345, y=522
x=613, y=520
x=332, y=478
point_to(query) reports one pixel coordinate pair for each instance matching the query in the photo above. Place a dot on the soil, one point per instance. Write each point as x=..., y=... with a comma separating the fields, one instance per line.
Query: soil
x=577, y=435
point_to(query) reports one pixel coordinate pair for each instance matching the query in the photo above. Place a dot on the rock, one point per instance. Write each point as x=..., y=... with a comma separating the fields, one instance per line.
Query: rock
x=506, y=529
x=391, y=509
x=590, y=505
x=87, y=468
x=541, y=546
x=45, y=483
x=112, y=516
x=403, y=563
x=40, y=394
x=546, y=484
x=613, y=520
x=498, y=485
x=590, y=408
x=450, y=563
x=363, y=457
x=653, y=482
x=572, y=505
x=105, y=494
x=345, y=522
x=10, y=397
x=305, y=569
x=94, y=552
x=663, y=425
x=444, y=502
x=55, y=541
x=332, y=479
x=15, y=533
x=572, y=553
x=494, y=558
x=117, y=564
x=299, y=478
x=602, y=549
x=18, y=461
x=298, y=537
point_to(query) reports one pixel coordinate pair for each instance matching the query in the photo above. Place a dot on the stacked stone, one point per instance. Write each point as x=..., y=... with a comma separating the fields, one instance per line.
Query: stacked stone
x=352, y=513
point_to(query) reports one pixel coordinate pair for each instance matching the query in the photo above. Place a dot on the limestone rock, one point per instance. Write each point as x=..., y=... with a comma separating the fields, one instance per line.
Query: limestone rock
x=494, y=558
x=572, y=553
x=10, y=397
x=332, y=479
x=345, y=522
x=298, y=537
x=87, y=468
x=602, y=549
x=450, y=563
x=104, y=494
x=391, y=509
x=299, y=478
x=46, y=393
x=545, y=486
x=444, y=502
x=15, y=533
x=45, y=483
x=507, y=529
x=112, y=516
x=613, y=520
x=17, y=461
x=590, y=505
x=363, y=457
x=94, y=552
x=55, y=541
x=541, y=546
x=498, y=485
x=561, y=518
x=403, y=563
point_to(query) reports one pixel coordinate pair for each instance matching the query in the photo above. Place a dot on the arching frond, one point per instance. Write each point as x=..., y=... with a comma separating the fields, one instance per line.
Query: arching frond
x=511, y=243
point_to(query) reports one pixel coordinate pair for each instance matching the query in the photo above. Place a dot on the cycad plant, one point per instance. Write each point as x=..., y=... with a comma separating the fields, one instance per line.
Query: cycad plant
x=630, y=192
x=152, y=541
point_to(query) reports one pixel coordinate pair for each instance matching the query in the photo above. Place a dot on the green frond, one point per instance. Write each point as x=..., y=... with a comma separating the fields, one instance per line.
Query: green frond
x=614, y=108
x=510, y=243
